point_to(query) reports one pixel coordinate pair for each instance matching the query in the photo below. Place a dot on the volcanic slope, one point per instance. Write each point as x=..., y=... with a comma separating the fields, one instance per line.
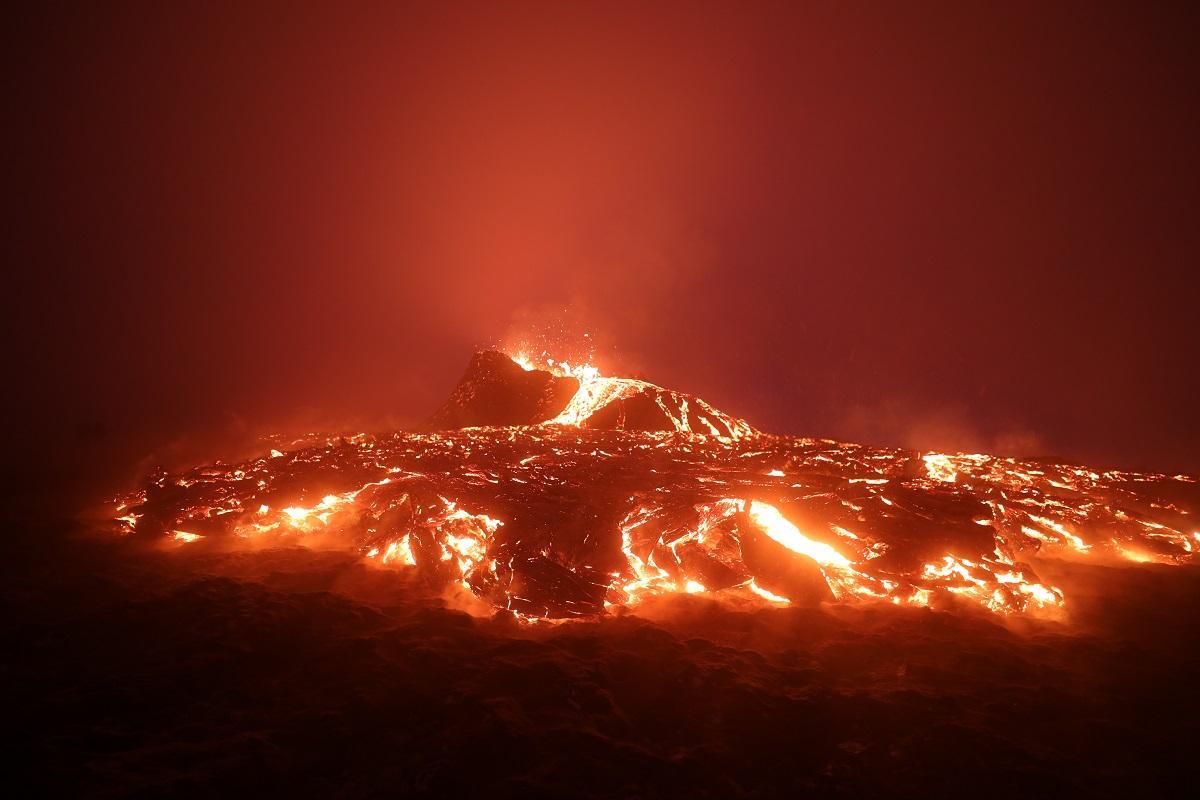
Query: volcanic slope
x=555, y=492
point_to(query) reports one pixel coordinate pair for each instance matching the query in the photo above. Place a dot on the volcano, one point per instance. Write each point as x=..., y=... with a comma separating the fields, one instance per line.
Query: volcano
x=566, y=584
x=551, y=492
x=498, y=390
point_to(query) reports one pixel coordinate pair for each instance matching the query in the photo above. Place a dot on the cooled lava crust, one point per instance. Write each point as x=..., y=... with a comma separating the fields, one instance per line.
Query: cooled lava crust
x=554, y=496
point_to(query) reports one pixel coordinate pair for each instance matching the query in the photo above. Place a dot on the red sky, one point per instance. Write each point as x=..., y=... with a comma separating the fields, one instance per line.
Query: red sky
x=941, y=225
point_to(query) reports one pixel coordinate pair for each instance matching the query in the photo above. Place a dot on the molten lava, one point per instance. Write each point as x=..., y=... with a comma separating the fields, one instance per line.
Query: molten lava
x=552, y=492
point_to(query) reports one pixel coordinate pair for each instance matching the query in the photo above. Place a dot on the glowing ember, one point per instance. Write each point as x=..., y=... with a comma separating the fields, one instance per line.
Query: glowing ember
x=611, y=490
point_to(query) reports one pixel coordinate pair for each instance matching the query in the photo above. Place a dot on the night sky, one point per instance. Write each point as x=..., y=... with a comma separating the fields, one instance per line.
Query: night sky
x=938, y=225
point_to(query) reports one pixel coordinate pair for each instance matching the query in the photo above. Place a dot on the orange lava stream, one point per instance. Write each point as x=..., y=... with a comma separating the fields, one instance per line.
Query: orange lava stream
x=772, y=520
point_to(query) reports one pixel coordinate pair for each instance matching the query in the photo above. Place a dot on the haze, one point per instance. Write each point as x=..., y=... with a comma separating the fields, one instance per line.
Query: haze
x=927, y=225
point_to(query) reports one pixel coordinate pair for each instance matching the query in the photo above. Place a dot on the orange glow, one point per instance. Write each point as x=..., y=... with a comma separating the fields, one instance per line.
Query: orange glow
x=768, y=596
x=440, y=502
x=790, y=536
x=940, y=468
x=596, y=392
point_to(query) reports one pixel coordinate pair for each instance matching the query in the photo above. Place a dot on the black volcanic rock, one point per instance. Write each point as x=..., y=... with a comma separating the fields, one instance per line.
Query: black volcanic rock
x=497, y=391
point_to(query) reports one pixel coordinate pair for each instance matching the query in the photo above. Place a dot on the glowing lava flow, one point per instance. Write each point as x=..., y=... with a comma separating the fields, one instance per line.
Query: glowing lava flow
x=788, y=535
x=595, y=393
x=566, y=518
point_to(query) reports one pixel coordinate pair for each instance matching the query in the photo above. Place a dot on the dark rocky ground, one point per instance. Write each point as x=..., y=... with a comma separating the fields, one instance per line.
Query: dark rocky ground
x=133, y=671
